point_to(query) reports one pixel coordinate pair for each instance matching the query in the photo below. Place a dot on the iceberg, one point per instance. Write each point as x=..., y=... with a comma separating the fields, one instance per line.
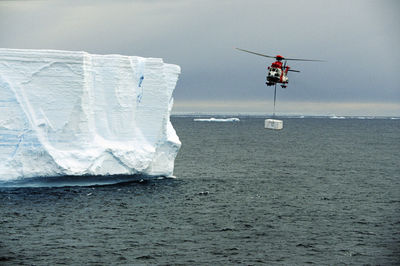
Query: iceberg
x=66, y=113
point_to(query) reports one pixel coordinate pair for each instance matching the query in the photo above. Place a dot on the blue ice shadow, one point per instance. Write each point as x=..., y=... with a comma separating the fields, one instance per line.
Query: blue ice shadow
x=83, y=181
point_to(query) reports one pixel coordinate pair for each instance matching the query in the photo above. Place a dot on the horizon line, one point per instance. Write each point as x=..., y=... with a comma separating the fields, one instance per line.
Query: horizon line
x=285, y=108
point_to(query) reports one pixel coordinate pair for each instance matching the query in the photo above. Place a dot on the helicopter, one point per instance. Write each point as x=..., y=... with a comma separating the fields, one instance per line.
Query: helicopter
x=277, y=72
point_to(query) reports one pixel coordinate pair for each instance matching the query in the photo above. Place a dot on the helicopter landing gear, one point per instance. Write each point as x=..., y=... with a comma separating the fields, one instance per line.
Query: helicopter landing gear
x=283, y=86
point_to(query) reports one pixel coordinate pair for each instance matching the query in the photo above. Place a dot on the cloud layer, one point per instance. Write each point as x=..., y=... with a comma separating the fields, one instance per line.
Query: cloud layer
x=359, y=40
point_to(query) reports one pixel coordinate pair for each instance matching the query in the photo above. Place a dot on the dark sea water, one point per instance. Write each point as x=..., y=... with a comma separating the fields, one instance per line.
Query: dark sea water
x=321, y=191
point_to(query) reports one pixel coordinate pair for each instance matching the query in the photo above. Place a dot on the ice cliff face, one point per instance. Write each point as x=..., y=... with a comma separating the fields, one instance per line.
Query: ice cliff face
x=74, y=113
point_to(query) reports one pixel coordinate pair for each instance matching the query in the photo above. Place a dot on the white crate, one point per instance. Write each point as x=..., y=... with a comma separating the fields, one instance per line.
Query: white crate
x=273, y=124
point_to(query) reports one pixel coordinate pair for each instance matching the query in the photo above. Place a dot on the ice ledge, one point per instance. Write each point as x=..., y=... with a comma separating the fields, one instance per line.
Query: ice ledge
x=74, y=113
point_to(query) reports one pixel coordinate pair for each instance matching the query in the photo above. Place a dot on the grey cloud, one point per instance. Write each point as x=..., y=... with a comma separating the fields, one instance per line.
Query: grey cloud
x=359, y=40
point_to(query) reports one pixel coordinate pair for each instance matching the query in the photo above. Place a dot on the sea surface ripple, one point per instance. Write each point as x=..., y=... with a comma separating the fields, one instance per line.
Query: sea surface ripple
x=321, y=191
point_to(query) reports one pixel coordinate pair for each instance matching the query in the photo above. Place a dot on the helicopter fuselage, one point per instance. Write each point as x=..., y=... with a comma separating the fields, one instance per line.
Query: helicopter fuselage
x=277, y=74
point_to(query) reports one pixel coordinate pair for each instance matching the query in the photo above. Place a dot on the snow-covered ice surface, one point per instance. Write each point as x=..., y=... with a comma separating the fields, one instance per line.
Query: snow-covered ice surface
x=212, y=119
x=65, y=113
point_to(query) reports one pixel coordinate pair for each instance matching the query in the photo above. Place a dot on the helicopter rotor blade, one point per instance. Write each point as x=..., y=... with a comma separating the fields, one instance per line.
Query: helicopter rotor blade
x=293, y=70
x=255, y=53
x=279, y=57
x=298, y=59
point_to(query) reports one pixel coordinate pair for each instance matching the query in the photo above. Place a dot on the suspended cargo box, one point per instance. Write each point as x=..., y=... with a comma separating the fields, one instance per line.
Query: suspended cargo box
x=273, y=124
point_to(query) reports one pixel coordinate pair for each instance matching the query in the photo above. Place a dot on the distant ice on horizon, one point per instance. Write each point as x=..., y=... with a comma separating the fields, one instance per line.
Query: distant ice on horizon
x=212, y=119
x=337, y=117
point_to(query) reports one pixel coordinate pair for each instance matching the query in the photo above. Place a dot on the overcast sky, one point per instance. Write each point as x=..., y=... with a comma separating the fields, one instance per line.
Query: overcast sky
x=360, y=41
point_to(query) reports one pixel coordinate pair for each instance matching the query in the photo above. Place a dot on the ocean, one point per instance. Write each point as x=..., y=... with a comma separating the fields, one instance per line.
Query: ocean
x=321, y=191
